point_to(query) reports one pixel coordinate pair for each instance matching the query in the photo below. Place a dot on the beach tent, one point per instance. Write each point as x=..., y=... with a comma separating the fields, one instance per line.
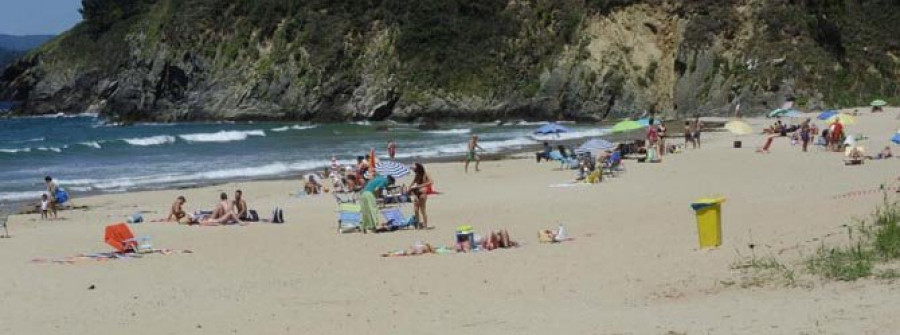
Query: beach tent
x=846, y=119
x=784, y=112
x=392, y=168
x=739, y=128
x=645, y=122
x=879, y=103
x=626, y=125
x=827, y=114
x=597, y=144
x=551, y=128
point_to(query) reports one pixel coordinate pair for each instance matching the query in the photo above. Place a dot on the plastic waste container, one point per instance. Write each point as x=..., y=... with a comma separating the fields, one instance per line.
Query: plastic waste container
x=709, y=221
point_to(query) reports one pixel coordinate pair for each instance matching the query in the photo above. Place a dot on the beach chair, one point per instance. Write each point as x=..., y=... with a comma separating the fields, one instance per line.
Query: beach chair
x=613, y=164
x=564, y=161
x=349, y=217
x=395, y=219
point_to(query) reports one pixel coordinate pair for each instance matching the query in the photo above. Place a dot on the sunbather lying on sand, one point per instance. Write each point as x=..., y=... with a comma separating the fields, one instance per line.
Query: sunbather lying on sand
x=499, y=239
x=414, y=250
x=223, y=214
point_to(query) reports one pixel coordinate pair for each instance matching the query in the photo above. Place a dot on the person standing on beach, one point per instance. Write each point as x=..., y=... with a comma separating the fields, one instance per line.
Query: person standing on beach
x=661, y=132
x=804, y=134
x=689, y=135
x=392, y=149
x=420, y=188
x=698, y=128
x=472, y=154
x=369, y=204
x=52, y=188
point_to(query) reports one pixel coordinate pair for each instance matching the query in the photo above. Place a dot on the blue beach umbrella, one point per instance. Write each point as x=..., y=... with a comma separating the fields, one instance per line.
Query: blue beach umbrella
x=552, y=128
x=827, y=114
x=392, y=168
x=597, y=144
x=896, y=138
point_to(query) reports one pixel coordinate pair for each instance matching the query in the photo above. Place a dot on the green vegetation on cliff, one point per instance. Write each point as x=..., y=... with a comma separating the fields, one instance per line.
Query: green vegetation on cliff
x=475, y=59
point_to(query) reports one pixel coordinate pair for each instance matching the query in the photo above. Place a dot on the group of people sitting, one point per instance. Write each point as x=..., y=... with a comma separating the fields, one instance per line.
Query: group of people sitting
x=225, y=212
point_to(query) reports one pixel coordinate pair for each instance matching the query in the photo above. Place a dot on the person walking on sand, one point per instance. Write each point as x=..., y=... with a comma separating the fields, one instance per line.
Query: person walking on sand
x=420, y=188
x=392, y=149
x=472, y=154
x=52, y=189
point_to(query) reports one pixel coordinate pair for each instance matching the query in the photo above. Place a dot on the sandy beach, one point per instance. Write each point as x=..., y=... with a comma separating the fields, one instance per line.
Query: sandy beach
x=634, y=266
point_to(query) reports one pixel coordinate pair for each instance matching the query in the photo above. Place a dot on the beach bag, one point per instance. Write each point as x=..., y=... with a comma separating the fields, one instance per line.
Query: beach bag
x=252, y=216
x=277, y=215
x=61, y=196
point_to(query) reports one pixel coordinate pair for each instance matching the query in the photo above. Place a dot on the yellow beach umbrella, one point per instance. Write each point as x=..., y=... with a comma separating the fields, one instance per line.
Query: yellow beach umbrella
x=846, y=119
x=739, y=128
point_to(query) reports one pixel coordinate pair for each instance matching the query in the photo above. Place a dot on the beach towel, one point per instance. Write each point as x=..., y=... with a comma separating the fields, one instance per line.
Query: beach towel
x=106, y=256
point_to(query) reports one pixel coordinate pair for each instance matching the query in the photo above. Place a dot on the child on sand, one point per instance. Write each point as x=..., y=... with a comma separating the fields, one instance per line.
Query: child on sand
x=45, y=207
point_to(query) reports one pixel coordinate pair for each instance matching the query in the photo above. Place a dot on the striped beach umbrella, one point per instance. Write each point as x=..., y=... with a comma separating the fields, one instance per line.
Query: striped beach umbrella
x=392, y=168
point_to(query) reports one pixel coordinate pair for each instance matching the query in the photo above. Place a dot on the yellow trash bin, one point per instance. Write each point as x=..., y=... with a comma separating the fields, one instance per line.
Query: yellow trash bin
x=709, y=221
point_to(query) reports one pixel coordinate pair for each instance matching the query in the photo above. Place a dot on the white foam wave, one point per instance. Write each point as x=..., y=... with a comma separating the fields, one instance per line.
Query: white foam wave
x=222, y=136
x=13, y=151
x=53, y=149
x=451, y=131
x=92, y=144
x=274, y=169
x=281, y=129
x=19, y=196
x=299, y=127
x=152, y=140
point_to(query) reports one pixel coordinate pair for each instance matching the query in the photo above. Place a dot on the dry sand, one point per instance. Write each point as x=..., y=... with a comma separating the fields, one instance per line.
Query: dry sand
x=634, y=267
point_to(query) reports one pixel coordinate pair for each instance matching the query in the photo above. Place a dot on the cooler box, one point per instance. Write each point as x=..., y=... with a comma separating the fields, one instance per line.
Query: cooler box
x=709, y=221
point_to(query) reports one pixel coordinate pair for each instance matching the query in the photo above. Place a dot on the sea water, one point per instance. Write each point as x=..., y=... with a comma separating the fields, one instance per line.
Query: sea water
x=85, y=154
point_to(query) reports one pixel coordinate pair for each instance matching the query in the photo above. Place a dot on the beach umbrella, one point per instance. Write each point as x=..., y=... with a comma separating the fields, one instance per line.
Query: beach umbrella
x=896, y=138
x=879, y=103
x=118, y=236
x=846, y=119
x=392, y=168
x=552, y=128
x=597, y=144
x=626, y=125
x=827, y=114
x=793, y=114
x=784, y=112
x=739, y=128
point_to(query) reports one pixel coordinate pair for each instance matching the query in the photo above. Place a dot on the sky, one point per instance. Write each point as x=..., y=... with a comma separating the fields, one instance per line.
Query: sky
x=38, y=17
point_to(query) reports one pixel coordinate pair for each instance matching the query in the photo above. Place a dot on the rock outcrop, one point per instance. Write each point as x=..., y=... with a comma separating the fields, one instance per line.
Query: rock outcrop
x=182, y=60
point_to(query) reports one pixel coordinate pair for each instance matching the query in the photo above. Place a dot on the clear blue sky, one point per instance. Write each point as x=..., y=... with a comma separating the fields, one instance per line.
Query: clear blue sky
x=38, y=17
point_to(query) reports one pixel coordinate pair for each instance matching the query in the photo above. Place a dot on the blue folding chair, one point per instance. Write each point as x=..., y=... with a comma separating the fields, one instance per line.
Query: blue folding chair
x=395, y=219
x=349, y=217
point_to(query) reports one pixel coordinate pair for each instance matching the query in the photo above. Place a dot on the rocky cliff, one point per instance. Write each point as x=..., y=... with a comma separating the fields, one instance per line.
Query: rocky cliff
x=176, y=60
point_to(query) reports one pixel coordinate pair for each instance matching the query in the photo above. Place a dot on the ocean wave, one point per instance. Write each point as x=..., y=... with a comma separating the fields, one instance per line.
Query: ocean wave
x=53, y=149
x=461, y=148
x=222, y=136
x=36, y=139
x=268, y=170
x=572, y=135
x=451, y=131
x=148, y=141
x=281, y=129
x=19, y=196
x=92, y=144
x=14, y=151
